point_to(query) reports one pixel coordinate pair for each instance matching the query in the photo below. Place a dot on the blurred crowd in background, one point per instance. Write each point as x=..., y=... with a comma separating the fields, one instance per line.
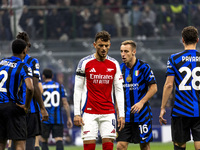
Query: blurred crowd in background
x=68, y=19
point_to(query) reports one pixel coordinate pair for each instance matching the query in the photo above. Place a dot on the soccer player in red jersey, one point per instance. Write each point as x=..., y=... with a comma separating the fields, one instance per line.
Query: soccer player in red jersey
x=97, y=77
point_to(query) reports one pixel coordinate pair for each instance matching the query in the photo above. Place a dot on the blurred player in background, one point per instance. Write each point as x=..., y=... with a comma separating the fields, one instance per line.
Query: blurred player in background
x=183, y=69
x=96, y=75
x=55, y=97
x=13, y=118
x=139, y=86
x=33, y=116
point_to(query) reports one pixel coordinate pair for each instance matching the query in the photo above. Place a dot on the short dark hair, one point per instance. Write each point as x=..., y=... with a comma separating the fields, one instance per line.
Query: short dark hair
x=24, y=36
x=18, y=46
x=131, y=42
x=48, y=73
x=103, y=35
x=190, y=35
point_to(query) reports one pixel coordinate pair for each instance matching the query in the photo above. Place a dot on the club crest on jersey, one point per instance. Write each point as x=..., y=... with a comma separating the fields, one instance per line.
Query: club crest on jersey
x=136, y=72
x=92, y=70
x=109, y=69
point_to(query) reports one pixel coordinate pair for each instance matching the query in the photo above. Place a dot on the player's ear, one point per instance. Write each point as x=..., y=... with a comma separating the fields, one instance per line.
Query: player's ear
x=197, y=40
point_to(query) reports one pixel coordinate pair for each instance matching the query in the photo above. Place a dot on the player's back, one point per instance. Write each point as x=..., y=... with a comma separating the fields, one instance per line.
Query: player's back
x=185, y=66
x=53, y=92
x=12, y=73
x=34, y=64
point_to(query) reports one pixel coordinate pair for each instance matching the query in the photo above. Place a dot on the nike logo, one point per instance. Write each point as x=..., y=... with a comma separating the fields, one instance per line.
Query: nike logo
x=144, y=138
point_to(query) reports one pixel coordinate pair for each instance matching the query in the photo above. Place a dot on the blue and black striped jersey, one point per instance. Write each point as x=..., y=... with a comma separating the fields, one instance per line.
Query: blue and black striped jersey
x=12, y=73
x=136, y=82
x=53, y=92
x=34, y=64
x=185, y=67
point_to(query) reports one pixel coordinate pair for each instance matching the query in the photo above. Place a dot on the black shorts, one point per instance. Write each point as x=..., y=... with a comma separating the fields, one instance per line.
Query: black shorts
x=182, y=127
x=12, y=122
x=135, y=132
x=57, y=130
x=34, y=127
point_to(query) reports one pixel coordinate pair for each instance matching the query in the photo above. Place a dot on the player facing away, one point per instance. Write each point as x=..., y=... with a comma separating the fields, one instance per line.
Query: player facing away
x=12, y=109
x=139, y=86
x=33, y=115
x=183, y=69
x=55, y=97
x=94, y=109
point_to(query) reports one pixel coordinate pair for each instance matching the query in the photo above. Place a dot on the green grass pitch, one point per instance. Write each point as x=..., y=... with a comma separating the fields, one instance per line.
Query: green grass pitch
x=154, y=146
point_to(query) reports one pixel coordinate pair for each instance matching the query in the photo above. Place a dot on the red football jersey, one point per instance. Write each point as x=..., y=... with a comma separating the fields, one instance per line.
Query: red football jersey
x=94, y=85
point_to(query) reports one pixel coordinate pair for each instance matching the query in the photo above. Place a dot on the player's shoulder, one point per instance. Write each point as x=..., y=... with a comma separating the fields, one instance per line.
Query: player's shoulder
x=85, y=60
x=174, y=55
x=113, y=60
x=28, y=59
x=142, y=63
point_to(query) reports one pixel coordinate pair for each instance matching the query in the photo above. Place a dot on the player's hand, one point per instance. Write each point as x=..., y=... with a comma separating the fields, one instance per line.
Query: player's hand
x=78, y=121
x=121, y=123
x=137, y=107
x=23, y=107
x=44, y=113
x=161, y=119
x=69, y=123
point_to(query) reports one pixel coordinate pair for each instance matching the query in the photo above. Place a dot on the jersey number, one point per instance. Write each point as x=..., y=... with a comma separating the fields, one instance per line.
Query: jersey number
x=3, y=72
x=143, y=128
x=52, y=98
x=188, y=75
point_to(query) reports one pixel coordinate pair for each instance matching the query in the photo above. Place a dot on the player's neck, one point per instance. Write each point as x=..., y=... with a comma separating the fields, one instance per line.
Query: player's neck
x=99, y=58
x=19, y=56
x=48, y=80
x=190, y=46
x=131, y=63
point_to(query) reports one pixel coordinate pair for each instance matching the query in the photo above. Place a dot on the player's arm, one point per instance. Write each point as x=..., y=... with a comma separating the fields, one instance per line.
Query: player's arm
x=151, y=91
x=167, y=90
x=67, y=110
x=38, y=97
x=119, y=94
x=78, y=89
x=29, y=93
x=40, y=86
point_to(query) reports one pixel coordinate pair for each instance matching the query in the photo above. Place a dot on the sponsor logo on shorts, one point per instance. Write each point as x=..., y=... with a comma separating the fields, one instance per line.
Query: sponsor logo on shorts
x=113, y=131
x=85, y=132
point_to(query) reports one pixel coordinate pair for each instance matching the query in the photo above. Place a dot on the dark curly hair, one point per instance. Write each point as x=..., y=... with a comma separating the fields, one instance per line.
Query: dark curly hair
x=103, y=35
x=24, y=36
x=190, y=35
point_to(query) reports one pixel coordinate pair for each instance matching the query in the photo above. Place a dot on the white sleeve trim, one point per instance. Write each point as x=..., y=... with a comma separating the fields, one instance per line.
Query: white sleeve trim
x=78, y=90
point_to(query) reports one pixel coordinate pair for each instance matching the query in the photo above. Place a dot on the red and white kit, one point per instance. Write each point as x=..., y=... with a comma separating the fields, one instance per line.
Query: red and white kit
x=94, y=84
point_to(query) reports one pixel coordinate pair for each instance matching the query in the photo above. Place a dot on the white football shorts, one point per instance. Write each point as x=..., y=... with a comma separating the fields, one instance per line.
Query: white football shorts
x=105, y=123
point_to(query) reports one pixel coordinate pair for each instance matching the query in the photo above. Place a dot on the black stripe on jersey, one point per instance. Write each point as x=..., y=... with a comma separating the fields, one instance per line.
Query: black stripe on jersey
x=185, y=95
x=182, y=110
x=123, y=74
x=55, y=110
x=61, y=104
x=29, y=60
x=8, y=81
x=131, y=96
x=17, y=78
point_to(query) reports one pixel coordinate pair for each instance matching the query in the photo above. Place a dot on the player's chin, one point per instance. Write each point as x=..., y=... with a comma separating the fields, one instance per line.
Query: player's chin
x=124, y=60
